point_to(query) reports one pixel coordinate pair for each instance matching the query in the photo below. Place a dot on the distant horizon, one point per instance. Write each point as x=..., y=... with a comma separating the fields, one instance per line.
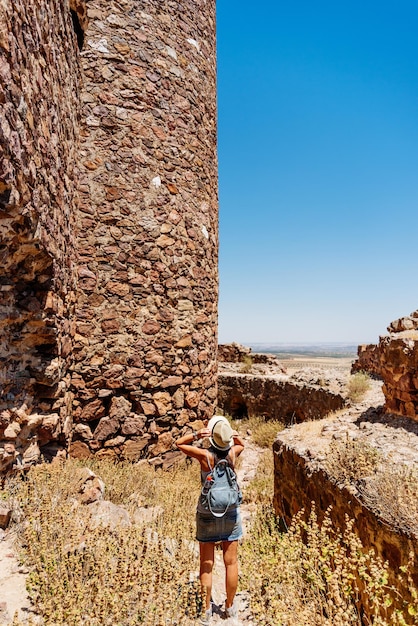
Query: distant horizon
x=311, y=349
x=306, y=343
x=299, y=343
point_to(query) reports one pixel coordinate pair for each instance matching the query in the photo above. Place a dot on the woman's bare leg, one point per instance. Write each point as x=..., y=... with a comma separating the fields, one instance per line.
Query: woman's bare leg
x=207, y=555
x=230, y=550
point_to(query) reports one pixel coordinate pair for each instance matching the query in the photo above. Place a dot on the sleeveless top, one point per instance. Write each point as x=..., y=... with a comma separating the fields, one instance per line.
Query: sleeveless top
x=204, y=474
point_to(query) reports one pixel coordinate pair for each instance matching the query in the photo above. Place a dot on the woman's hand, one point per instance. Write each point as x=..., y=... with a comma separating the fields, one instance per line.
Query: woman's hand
x=204, y=432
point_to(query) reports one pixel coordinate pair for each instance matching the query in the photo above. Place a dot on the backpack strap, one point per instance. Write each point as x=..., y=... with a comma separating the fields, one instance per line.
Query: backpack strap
x=215, y=460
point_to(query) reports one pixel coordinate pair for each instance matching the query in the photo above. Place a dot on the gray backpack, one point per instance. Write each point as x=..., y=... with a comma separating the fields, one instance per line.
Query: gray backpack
x=220, y=492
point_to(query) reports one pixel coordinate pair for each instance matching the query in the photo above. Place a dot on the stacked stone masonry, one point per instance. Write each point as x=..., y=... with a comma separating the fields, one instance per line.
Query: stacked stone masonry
x=399, y=366
x=39, y=96
x=237, y=353
x=395, y=361
x=108, y=224
x=245, y=395
x=146, y=313
x=368, y=360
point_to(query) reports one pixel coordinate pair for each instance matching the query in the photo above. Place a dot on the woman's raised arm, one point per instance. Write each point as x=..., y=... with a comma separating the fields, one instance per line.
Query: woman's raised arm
x=185, y=442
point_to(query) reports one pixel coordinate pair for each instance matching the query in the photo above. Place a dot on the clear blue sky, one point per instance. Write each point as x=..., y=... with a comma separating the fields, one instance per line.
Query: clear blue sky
x=318, y=168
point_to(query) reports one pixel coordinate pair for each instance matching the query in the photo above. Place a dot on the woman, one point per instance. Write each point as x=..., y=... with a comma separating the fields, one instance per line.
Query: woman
x=226, y=444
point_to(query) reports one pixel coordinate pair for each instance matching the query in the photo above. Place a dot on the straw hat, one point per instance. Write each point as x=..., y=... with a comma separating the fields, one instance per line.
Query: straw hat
x=221, y=437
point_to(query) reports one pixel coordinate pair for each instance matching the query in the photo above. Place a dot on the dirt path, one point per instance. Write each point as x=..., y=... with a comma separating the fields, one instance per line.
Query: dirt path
x=13, y=595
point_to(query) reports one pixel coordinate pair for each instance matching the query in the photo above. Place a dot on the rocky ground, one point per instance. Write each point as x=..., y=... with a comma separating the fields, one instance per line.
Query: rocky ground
x=395, y=437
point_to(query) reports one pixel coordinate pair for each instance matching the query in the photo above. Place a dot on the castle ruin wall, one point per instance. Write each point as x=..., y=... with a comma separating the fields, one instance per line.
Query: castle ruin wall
x=245, y=395
x=395, y=360
x=39, y=99
x=368, y=360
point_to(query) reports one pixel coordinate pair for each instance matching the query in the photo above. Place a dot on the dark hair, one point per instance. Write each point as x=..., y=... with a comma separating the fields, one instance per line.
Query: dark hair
x=219, y=454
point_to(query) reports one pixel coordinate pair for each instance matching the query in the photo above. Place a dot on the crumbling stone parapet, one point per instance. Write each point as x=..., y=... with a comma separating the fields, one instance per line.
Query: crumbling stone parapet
x=399, y=367
x=395, y=360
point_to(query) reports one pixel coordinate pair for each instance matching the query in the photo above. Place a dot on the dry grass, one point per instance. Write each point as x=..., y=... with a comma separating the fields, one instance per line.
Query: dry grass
x=390, y=490
x=260, y=490
x=350, y=461
x=313, y=575
x=247, y=364
x=263, y=432
x=393, y=493
x=145, y=574
x=357, y=386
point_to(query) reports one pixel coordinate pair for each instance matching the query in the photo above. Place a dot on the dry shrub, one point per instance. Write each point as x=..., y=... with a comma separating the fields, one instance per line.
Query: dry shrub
x=142, y=485
x=145, y=574
x=260, y=489
x=314, y=575
x=393, y=494
x=349, y=461
x=357, y=386
x=390, y=490
x=263, y=432
x=247, y=364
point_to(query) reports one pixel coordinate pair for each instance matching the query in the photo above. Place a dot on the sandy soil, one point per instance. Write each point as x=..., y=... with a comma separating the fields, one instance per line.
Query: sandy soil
x=13, y=595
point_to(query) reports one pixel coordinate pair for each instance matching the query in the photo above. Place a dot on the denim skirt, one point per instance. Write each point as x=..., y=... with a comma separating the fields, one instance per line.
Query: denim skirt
x=212, y=529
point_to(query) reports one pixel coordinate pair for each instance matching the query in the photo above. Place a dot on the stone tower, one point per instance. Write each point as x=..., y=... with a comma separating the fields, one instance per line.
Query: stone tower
x=109, y=234
x=147, y=230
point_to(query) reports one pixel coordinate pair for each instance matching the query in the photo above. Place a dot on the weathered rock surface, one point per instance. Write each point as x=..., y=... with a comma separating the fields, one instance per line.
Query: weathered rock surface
x=237, y=353
x=146, y=310
x=368, y=360
x=241, y=395
x=5, y=516
x=395, y=360
x=40, y=96
x=399, y=366
x=105, y=514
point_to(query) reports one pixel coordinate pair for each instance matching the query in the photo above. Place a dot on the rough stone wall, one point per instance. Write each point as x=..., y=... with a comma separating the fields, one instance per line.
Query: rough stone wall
x=146, y=339
x=399, y=366
x=233, y=352
x=395, y=361
x=242, y=395
x=237, y=353
x=368, y=360
x=39, y=96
